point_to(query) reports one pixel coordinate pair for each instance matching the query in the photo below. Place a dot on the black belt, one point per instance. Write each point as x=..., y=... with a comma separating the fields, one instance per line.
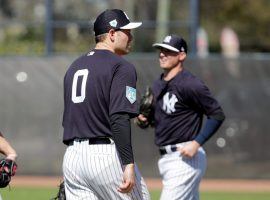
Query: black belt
x=91, y=141
x=163, y=151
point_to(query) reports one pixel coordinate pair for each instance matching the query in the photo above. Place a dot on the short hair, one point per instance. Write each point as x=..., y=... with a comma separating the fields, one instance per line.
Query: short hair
x=101, y=37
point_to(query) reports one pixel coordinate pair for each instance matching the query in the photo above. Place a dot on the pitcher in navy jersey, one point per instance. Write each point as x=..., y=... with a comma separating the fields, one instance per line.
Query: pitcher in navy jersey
x=100, y=99
x=180, y=102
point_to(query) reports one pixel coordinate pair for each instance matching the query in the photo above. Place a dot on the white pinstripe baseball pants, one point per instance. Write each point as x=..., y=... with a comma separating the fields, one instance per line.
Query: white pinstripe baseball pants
x=94, y=172
x=181, y=176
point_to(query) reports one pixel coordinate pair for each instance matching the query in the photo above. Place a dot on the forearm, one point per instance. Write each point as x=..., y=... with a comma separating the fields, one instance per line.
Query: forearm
x=209, y=129
x=7, y=149
x=121, y=132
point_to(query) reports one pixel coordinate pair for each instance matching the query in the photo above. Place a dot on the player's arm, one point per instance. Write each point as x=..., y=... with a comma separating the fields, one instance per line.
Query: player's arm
x=212, y=124
x=123, y=106
x=120, y=124
x=205, y=102
x=212, y=109
x=6, y=148
x=121, y=132
x=209, y=129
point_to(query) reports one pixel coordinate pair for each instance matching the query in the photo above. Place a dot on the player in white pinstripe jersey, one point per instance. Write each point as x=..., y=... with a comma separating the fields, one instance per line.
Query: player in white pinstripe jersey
x=100, y=99
x=180, y=101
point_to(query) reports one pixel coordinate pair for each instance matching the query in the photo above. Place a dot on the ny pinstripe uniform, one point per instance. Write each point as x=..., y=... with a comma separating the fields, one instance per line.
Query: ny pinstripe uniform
x=94, y=172
x=180, y=102
x=100, y=99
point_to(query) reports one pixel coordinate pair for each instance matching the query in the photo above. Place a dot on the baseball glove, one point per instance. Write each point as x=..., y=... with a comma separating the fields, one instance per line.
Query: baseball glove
x=146, y=109
x=61, y=195
x=7, y=169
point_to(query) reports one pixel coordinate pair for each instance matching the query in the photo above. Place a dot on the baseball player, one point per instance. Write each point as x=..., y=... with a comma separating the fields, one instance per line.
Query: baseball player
x=7, y=165
x=180, y=102
x=99, y=100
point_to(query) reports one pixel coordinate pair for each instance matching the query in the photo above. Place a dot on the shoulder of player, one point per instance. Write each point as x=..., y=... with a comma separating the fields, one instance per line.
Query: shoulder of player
x=189, y=80
x=105, y=55
x=189, y=84
x=116, y=60
x=155, y=85
x=73, y=65
x=122, y=64
x=78, y=60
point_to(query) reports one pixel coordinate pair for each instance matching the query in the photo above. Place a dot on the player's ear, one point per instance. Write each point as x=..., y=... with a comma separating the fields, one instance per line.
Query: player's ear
x=112, y=34
x=182, y=56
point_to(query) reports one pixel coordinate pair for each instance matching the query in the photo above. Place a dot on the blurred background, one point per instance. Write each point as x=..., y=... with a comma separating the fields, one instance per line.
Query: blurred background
x=229, y=48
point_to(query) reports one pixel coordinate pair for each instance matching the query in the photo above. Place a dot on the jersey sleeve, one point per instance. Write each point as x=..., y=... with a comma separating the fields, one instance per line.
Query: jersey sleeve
x=200, y=96
x=123, y=94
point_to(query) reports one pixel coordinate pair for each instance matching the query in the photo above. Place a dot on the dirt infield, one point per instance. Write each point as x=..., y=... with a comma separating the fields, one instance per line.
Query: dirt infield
x=206, y=185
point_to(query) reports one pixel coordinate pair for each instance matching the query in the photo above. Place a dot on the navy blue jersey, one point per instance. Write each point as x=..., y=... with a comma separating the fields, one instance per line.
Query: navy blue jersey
x=97, y=85
x=179, y=108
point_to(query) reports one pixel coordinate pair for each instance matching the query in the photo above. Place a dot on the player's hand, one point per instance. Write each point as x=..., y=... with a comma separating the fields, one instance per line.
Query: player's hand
x=12, y=156
x=141, y=121
x=142, y=118
x=190, y=149
x=128, y=179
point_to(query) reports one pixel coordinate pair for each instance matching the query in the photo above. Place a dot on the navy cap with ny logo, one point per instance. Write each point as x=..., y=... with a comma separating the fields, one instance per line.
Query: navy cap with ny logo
x=113, y=19
x=173, y=43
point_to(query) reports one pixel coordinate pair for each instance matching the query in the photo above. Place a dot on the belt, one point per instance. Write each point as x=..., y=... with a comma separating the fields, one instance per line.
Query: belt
x=91, y=141
x=167, y=149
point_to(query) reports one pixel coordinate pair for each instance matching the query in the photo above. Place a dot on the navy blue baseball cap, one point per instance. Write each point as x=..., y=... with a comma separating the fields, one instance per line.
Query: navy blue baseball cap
x=173, y=43
x=113, y=19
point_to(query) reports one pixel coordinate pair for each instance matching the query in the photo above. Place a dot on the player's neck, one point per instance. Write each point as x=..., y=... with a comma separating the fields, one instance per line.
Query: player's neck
x=105, y=46
x=171, y=73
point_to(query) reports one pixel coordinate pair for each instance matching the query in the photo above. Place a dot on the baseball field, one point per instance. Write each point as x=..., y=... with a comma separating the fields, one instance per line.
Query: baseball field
x=45, y=188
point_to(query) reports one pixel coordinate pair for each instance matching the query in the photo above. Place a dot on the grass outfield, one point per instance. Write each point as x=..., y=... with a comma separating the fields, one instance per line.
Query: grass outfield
x=20, y=193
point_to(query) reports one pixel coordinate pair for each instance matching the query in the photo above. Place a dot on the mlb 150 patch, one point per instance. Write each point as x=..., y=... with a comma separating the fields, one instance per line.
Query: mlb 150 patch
x=131, y=94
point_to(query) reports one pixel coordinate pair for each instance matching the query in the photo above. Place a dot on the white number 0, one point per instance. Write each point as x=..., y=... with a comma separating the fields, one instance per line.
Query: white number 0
x=84, y=74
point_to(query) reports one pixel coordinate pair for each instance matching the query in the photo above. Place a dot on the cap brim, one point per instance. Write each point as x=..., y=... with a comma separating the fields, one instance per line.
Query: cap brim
x=131, y=25
x=165, y=46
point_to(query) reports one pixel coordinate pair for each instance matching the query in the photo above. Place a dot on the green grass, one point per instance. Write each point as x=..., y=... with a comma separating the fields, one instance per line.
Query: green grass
x=225, y=195
x=21, y=193
x=235, y=196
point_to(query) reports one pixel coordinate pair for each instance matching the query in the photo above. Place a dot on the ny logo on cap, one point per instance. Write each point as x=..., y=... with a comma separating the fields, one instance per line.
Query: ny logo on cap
x=113, y=23
x=167, y=39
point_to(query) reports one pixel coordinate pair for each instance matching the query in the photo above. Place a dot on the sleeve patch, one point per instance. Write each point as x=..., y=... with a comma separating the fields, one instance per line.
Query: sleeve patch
x=131, y=94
